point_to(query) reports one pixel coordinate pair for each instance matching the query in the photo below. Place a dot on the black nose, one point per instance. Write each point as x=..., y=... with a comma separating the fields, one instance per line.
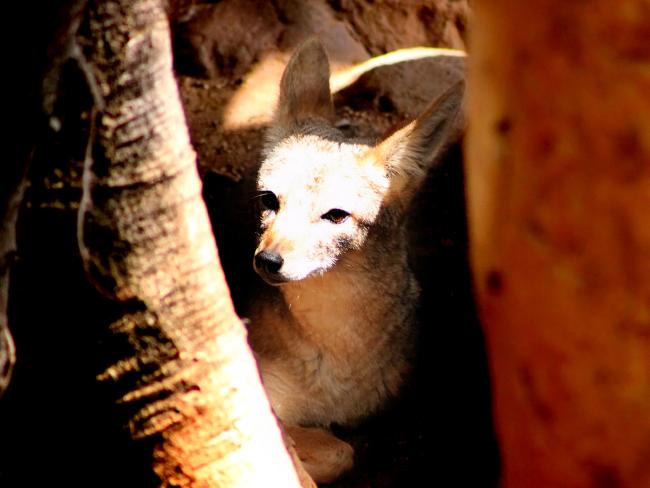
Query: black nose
x=269, y=261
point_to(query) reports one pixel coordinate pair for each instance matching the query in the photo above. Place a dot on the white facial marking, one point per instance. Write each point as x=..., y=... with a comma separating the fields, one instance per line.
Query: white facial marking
x=311, y=176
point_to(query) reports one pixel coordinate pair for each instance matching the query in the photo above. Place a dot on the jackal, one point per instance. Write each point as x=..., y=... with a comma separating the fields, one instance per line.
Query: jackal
x=335, y=344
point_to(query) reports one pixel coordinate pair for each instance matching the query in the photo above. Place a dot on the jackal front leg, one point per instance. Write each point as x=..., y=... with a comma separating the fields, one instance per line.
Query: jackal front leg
x=324, y=456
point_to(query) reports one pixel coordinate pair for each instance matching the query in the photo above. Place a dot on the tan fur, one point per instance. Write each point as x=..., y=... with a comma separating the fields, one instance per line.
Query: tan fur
x=335, y=344
x=321, y=454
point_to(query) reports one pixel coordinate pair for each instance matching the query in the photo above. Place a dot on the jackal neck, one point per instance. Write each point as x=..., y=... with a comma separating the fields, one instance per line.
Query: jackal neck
x=353, y=300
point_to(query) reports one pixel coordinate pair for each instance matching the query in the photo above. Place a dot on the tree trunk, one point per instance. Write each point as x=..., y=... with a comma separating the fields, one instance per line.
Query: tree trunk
x=559, y=193
x=13, y=180
x=188, y=381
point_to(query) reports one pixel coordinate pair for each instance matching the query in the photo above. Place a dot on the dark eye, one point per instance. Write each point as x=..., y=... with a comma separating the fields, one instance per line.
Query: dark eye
x=336, y=215
x=269, y=201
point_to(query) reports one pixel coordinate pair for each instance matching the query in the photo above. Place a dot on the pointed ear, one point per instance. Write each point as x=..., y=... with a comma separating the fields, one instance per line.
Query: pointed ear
x=408, y=153
x=305, y=88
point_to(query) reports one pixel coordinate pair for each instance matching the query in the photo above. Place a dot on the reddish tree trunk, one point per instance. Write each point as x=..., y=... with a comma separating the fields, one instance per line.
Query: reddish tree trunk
x=559, y=194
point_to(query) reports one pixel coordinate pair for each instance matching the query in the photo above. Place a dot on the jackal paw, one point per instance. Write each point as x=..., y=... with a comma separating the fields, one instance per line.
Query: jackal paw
x=324, y=456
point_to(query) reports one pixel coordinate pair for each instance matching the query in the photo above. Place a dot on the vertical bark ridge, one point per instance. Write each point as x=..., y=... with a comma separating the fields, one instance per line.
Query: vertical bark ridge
x=14, y=183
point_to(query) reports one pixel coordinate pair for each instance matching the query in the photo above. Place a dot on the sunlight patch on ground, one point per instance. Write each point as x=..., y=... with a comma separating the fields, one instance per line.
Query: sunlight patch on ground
x=253, y=103
x=346, y=77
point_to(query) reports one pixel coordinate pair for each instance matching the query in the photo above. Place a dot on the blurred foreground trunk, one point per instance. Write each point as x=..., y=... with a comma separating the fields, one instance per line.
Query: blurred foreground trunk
x=187, y=380
x=559, y=200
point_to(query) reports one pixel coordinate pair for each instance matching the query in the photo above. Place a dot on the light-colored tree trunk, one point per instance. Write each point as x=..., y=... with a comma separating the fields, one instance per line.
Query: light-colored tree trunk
x=559, y=198
x=190, y=382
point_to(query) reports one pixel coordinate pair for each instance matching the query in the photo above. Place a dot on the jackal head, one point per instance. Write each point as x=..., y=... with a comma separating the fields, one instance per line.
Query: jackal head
x=320, y=194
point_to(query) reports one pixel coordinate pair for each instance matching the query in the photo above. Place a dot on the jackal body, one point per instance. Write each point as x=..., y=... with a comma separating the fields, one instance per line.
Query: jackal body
x=335, y=344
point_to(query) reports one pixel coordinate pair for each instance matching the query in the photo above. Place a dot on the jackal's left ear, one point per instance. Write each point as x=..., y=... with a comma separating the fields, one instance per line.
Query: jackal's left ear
x=304, y=89
x=408, y=153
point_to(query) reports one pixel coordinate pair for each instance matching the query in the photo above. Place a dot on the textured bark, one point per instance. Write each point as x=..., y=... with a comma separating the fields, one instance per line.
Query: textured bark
x=559, y=192
x=187, y=379
x=13, y=178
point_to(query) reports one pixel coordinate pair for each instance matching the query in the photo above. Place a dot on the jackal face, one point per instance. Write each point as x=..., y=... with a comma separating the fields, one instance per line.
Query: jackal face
x=321, y=195
x=319, y=198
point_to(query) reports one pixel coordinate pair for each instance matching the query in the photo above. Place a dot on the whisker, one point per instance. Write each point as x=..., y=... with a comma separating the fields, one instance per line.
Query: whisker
x=259, y=194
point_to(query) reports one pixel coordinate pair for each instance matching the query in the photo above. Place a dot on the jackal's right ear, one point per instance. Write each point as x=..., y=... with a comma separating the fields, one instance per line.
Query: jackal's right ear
x=304, y=89
x=408, y=153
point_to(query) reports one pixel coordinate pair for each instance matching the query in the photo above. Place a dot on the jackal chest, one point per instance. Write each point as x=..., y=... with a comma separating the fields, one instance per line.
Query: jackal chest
x=339, y=354
x=344, y=390
x=349, y=372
